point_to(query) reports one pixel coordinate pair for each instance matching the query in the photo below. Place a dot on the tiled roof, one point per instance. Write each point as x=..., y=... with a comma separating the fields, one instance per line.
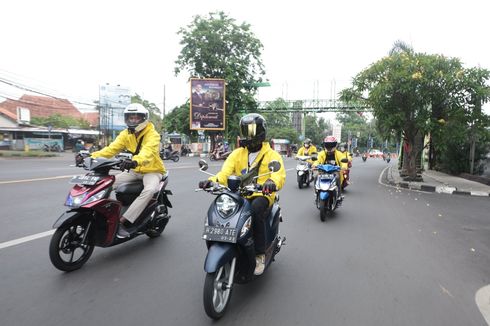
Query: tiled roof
x=41, y=106
x=8, y=114
x=92, y=118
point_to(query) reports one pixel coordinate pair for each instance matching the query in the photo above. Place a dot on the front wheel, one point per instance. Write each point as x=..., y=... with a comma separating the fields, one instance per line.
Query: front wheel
x=217, y=291
x=175, y=158
x=71, y=246
x=323, y=206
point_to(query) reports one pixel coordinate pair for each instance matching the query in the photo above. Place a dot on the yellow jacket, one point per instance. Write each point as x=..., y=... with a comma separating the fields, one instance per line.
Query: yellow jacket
x=303, y=151
x=322, y=156
x=148, y=158
x=237, y=164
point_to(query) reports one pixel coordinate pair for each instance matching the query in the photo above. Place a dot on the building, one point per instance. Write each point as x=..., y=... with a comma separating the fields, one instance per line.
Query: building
x=17, y=133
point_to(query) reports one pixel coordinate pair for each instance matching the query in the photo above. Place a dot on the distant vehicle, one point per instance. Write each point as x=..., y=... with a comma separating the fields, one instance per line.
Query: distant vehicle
x=375, y=153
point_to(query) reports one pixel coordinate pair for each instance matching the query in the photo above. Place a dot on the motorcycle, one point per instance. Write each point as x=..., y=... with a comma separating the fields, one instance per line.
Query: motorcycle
x=364, y=157
x=215, y=156
x=52, y=148
x=185, y=151
x=92, y=218
x=229, y=239
x=167, y=155
x=387, y=158
x=304, y=174
x=327, y=189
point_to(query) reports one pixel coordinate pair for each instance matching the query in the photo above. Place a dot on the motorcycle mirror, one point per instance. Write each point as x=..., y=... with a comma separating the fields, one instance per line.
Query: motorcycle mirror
x=274, y=166
x=203, y=165
x=344, y=160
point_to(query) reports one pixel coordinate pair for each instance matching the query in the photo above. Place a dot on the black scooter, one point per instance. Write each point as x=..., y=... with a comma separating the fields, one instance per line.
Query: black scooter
x=229, y=239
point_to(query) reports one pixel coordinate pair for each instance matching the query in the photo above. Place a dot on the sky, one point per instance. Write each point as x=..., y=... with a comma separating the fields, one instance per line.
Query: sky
x=312, y=49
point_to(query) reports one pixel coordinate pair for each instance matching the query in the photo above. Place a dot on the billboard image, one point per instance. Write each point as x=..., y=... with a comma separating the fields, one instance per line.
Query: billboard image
x=113, y=100
x=207, y=111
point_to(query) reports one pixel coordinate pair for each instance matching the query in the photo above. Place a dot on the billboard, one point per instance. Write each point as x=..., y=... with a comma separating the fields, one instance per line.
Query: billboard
x=113, y=100
x=207, y=111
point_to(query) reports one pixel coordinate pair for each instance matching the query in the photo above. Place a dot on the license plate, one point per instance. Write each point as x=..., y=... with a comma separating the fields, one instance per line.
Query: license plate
x=87, y=180
x=220, y=234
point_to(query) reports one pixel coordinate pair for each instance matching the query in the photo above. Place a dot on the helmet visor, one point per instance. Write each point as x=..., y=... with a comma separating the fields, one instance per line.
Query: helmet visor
x=134, y=119
x=250, y=130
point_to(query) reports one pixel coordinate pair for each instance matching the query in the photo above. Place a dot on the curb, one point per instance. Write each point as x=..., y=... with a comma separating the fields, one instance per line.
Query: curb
x=442, y=189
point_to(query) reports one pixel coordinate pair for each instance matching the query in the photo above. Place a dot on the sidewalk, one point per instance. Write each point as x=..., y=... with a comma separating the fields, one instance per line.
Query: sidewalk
x=435, y=181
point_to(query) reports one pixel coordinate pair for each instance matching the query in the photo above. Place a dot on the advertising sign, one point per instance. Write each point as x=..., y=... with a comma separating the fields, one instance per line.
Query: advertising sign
x=207, y=111
x=113, y=100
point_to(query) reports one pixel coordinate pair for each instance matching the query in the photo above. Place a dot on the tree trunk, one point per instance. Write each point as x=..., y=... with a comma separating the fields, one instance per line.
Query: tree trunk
x=411, y=149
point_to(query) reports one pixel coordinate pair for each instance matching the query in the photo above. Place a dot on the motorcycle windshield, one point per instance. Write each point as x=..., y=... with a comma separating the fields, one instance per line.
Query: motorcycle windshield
x=328, y=168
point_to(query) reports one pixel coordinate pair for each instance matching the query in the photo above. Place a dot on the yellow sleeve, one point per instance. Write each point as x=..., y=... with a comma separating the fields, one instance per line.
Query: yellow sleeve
x=320, y=158
x=301, y=151
x=117, y=146
x=227, y=169
x=279, y=177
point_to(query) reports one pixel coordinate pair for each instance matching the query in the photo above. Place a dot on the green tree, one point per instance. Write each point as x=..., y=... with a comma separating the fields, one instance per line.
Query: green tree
x=412, y=92
x=60, y=121
x=177, y=120
x=316, y=129
x=217, y=47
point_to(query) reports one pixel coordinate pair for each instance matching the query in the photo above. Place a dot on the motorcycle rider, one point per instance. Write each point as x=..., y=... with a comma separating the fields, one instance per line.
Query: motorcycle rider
x=141, y=139
x=307, y=149
x=330, y=155
x=247, y=161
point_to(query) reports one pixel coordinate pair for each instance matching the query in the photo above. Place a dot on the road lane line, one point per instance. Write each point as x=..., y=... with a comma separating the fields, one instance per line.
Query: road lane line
x=482, y=298
x=71, y=175
x=37, y=179
x=26, y=239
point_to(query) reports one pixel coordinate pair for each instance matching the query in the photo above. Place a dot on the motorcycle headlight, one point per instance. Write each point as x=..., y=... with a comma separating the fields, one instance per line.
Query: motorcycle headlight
x=226, y=205
x=76, y=201
x=246, y=227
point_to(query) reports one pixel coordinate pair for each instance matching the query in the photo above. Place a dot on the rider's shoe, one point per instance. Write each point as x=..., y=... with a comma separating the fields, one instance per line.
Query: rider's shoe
x=259, y=264
x=122, y=232
x=124, y=225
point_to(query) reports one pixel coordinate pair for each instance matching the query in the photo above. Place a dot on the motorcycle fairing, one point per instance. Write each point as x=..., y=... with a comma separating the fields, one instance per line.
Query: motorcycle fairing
x=219, y=253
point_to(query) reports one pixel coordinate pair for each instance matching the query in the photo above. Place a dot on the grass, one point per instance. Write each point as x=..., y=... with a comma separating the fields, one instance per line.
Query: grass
x=6, y=153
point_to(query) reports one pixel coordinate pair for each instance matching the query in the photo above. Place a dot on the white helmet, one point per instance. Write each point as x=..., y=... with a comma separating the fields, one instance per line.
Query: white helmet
x=136, y=117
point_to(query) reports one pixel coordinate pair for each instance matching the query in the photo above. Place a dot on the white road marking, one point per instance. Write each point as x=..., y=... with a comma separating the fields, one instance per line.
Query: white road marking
x=11, y=243
x=71, y=175
x=482, y=298
x=37, y=179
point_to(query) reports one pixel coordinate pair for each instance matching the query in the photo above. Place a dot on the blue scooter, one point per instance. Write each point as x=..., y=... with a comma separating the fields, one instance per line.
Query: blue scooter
x=228, y=235
x=327, y=189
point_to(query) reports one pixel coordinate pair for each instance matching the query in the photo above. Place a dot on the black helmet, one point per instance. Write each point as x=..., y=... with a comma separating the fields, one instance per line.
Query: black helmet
x=307, y=142
x=253, y=130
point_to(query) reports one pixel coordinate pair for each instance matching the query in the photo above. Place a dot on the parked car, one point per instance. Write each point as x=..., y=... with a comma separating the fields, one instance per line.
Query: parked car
x=375, y=153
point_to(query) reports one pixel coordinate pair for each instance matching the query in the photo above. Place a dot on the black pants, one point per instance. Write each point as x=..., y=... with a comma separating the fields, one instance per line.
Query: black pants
x=260, y=207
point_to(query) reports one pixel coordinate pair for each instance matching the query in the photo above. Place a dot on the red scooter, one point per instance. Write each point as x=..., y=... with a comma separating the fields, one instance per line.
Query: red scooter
x=92, y=218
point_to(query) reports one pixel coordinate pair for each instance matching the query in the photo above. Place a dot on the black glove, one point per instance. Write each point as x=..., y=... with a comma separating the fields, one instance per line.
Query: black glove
x=128, y=164
x=268, y=187
x=79, y=160
x=206, y=184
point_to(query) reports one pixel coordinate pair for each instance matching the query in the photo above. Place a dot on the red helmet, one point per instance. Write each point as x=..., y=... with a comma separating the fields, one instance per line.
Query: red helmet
x=330, y=142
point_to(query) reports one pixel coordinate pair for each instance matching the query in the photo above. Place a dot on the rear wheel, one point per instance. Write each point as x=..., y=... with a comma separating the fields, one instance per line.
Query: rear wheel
x=217, y=291
x=71, y=246
x=158, y=225
x=175, y=158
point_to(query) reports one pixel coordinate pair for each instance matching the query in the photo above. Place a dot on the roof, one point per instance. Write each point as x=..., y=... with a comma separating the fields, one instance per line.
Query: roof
x=92, y=118
x=8, y=114
x=41, y=106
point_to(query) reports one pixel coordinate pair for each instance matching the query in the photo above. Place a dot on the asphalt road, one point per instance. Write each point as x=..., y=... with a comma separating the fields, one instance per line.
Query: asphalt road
x=389, y=257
